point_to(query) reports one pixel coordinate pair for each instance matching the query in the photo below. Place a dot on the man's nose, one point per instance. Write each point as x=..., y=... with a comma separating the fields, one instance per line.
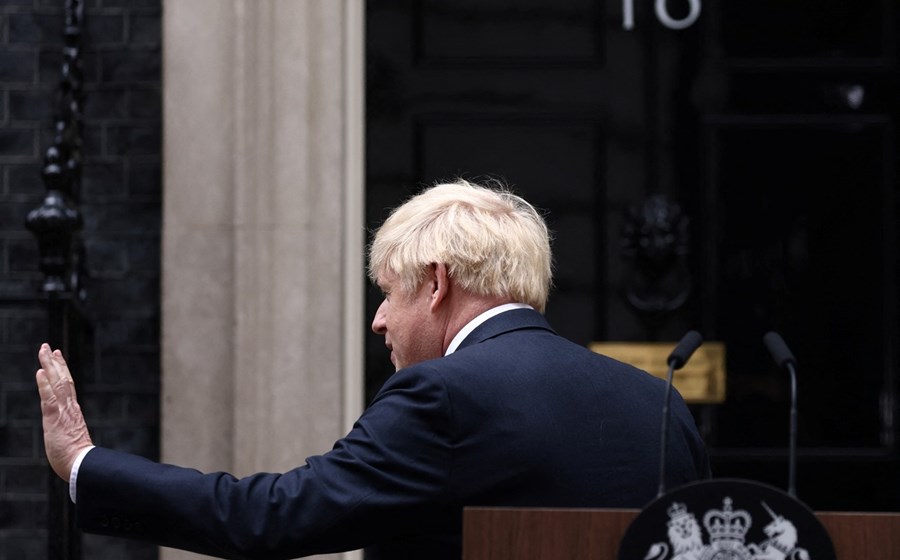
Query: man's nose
x=379, y=325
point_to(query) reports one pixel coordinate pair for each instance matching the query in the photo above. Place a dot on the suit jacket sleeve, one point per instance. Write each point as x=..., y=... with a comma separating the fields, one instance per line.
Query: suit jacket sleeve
x=384, y=478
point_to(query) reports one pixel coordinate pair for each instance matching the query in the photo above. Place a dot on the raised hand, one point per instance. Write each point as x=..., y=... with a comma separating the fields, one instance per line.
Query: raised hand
x=65, y=431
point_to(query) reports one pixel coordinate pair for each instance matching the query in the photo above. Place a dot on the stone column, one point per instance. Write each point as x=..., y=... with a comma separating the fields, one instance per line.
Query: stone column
x=263, y=233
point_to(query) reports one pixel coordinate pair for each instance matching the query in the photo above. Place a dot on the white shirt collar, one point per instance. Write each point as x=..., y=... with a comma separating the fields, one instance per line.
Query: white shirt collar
x=471, y=325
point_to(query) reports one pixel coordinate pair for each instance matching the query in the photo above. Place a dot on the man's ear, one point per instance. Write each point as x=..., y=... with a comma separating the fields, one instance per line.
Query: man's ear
x=440, y=284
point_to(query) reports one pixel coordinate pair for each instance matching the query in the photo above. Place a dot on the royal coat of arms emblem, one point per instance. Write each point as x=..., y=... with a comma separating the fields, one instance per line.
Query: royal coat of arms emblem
x=726, y=530
x=726, y=520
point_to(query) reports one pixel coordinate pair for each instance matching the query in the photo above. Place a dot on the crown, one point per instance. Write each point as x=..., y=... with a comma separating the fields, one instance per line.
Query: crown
x=725, y=524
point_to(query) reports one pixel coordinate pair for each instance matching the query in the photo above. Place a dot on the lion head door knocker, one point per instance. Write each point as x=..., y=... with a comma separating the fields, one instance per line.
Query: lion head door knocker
x=655, y=246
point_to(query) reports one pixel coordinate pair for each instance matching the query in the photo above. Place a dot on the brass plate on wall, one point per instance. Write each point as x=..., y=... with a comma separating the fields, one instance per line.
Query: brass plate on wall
x=700, y=381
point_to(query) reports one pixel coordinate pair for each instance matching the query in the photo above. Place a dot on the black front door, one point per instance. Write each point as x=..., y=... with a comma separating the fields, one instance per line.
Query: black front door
x=760, y=135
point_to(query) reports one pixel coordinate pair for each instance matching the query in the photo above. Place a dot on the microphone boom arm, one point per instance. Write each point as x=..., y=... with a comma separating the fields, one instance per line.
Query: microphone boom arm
x=676, y=360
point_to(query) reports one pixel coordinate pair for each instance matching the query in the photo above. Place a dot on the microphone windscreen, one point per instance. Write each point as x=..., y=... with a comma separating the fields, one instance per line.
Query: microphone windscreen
x=778, y=349
x=685, y=348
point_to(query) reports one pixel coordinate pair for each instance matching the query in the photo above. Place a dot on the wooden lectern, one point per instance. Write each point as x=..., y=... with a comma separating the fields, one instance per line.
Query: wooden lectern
x=594, y=534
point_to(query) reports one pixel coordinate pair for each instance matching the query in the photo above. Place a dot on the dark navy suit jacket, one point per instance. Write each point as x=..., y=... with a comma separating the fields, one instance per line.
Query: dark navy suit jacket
x=517, y=416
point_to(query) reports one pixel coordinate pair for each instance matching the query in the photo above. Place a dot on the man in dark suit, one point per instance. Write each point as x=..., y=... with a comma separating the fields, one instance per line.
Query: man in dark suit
x=489, y=406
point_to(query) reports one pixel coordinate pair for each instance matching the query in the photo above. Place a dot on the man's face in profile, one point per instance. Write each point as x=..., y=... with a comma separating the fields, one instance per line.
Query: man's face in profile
x=407, y=322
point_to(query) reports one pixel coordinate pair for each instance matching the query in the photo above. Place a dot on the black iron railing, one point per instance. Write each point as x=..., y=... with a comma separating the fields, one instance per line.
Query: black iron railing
x=56, y=224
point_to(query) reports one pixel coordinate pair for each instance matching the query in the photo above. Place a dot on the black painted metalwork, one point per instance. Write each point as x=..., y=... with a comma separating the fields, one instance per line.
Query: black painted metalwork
x=56, y=224
x=57, y=220
x=655, y=243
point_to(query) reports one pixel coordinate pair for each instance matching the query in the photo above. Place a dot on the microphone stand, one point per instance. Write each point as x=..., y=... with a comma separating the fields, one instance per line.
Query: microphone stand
x=785, y=359
x=665, y=429
x=679, y=356
x=792, y=445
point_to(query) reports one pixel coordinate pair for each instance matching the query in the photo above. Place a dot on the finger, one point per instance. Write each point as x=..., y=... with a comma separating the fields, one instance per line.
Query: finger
x=60, y=388
x=57, y=372
x=49, y=402
x=45, y=356
x=54, y=365
x=66, y=383
x=43, y=385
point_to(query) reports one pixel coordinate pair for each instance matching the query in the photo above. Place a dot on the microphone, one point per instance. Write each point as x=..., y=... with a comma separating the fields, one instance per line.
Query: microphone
x=685, y=348
x=676, y=360
x=785, y=359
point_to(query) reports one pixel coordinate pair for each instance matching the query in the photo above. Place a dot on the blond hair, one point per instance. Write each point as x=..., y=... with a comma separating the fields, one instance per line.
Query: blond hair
x=492, y=241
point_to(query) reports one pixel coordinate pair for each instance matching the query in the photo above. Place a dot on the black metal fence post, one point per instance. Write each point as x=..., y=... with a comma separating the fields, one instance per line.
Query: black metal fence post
x=56, y=224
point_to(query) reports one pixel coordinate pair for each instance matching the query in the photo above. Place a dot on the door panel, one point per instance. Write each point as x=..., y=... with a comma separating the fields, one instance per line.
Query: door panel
x=801, y=248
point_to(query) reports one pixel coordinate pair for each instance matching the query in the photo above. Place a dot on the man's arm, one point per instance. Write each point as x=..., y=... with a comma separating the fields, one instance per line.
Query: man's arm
x=65, y=431
x=385, y=479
